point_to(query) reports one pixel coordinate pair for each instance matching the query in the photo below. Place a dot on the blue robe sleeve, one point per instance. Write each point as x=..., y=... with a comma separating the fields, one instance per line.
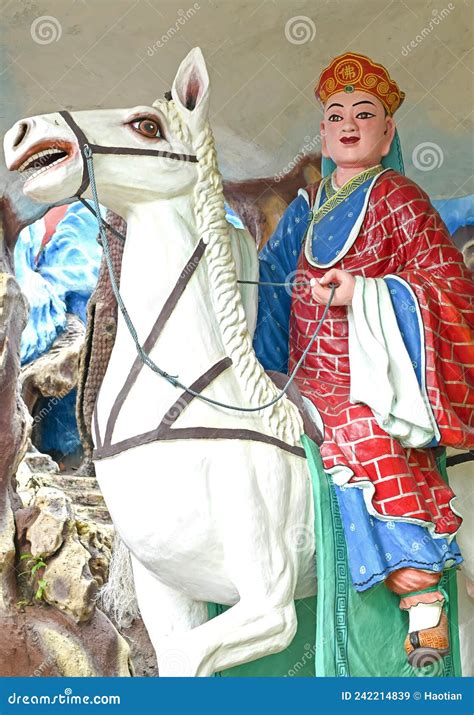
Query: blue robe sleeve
x=278, y=261
x=46, y=317
x=70, y=262
x=63, y=279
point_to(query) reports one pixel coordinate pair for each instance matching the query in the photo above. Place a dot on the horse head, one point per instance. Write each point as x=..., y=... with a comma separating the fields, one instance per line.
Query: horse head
x=141, y=154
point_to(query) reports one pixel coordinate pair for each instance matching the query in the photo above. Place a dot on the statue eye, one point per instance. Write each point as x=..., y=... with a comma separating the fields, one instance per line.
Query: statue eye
x=335, y=118
x=148, y=127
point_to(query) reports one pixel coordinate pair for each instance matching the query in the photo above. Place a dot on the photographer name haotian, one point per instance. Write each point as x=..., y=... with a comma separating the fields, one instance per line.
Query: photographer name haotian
x=442, y=696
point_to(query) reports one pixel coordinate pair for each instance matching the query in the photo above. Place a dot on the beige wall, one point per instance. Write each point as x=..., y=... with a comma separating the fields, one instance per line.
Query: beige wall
x=106, y=53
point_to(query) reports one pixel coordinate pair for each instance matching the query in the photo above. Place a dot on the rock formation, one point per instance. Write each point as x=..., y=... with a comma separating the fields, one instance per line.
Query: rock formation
x=71, y=637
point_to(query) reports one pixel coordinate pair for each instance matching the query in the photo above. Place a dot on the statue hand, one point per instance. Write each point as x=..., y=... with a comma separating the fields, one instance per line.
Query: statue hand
x=344, y=291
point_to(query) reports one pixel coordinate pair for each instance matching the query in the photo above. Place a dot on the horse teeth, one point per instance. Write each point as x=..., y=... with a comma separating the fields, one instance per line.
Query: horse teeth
x=30, y=162
x=44, y=168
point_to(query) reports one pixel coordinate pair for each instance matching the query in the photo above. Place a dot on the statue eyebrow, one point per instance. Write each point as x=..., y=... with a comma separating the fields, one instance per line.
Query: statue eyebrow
x=362, y=101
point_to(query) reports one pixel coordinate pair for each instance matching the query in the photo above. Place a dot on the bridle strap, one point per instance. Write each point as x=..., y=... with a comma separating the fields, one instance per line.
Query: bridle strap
x=82, y=140
x=97, y=149
x=165, y=313
x=119, y=150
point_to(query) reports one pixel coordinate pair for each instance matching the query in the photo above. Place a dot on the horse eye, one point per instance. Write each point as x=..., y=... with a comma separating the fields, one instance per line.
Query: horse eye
x=148, y=127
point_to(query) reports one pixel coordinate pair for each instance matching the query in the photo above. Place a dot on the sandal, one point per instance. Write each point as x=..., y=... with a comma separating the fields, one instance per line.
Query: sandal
x=429, y=645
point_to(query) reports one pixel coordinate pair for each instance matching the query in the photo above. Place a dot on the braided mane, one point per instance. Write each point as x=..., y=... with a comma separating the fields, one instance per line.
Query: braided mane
x=283, y=418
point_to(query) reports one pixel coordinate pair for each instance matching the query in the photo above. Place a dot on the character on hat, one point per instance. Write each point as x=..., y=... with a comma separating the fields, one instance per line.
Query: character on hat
x=391, y=371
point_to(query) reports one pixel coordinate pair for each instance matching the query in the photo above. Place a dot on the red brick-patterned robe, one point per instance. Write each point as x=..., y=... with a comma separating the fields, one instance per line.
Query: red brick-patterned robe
x=401, y=234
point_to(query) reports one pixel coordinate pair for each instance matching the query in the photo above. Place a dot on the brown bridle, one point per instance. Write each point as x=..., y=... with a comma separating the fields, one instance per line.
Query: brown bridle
x=99, y=149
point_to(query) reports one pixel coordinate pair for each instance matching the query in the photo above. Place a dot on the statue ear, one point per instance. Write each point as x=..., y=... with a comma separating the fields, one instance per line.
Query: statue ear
x=190, y=90
x=389, y=133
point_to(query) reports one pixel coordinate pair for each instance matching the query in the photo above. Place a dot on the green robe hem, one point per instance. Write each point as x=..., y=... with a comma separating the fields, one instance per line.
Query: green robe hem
x=343, y=632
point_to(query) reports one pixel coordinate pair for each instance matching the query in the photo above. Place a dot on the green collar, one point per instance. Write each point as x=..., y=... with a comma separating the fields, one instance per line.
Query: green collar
x=335, y=197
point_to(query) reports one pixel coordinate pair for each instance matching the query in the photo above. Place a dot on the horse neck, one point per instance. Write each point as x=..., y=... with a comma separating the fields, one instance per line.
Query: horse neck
x=161, y=238
x=208, y=322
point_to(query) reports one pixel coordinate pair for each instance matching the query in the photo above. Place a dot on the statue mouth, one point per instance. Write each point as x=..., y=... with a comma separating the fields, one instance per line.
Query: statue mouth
x=350, y=140
x=41, y=158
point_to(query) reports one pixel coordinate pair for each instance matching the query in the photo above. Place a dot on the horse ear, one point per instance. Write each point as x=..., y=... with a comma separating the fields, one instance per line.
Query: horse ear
x=190, y=90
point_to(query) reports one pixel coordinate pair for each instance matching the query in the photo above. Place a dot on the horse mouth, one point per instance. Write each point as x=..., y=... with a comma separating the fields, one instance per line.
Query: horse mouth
x=40, y=160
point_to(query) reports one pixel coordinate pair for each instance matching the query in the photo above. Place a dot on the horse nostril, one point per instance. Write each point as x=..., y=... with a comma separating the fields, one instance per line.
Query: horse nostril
x=22, y=131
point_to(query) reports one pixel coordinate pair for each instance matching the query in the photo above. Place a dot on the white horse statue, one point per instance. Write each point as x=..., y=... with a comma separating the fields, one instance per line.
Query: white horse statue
x=210, y=502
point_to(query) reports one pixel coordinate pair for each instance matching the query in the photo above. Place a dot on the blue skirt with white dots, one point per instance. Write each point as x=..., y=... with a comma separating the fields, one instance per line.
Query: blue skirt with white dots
x=376, y=547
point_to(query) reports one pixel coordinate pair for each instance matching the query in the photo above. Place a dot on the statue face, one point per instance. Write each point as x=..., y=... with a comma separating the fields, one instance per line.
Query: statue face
x=355, y=131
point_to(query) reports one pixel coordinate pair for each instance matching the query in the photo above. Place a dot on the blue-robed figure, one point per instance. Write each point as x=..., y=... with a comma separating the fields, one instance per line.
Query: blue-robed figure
x=57, y=266
x=57, y=273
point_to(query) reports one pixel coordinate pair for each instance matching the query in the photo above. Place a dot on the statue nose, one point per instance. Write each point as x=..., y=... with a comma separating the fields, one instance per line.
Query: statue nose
x=22, y=129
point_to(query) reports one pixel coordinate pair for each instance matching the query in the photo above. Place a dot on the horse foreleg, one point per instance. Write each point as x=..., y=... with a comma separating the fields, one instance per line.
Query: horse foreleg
x=263, y=572
x=245, y=632
x=166, y=613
